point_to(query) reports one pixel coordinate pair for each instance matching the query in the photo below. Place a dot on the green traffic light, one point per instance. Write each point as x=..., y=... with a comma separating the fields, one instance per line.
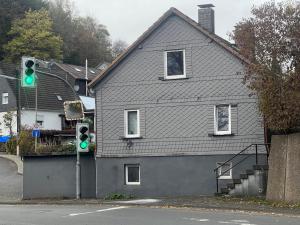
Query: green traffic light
x=84, y=145
x=29, y=80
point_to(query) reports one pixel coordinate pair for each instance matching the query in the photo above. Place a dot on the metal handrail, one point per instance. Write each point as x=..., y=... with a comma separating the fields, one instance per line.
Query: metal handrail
x=239, y=162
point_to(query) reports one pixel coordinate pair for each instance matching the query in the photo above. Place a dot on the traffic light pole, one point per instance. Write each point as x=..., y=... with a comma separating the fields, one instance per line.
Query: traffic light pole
x=36, y=108
x=78, y=191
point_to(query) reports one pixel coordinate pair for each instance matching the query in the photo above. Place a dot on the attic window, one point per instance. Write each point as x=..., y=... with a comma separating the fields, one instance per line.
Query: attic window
x=174, y=64
x=59, y=97
x=78, y=70
x=92, y=71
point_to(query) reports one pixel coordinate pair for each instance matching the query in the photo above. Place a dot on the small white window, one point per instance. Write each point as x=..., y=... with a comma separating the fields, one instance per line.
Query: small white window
x=174, y=63
x=132, y=123
x=132, y=174
x=40, y=120
x=222, y=119
x=5, y=98
x=78, y=70
x=225, y=171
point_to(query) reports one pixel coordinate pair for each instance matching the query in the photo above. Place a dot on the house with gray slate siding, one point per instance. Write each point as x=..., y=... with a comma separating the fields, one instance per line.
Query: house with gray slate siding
x=171, y=109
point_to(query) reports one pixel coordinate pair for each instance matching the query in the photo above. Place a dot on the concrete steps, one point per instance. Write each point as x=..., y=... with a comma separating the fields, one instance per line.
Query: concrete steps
x=251, y=183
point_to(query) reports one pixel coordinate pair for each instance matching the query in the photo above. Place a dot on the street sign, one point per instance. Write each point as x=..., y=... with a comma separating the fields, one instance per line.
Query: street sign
x=4, y=139
x=36, y=133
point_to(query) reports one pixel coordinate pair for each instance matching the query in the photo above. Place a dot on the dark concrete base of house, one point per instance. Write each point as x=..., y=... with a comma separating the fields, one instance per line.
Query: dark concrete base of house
x=55, y=176
x=166, y=176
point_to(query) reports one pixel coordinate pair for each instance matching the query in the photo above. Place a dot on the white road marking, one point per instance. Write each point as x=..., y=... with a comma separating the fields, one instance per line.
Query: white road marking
x=196, y=219
x=140, y=201
x=100, y=210
x=240, y=221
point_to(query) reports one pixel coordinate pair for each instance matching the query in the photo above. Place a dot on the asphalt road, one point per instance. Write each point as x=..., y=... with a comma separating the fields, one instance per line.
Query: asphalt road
x=131, y=215
x=10, y=181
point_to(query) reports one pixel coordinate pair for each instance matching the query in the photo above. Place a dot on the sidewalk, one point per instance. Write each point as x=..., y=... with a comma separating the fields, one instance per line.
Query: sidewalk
x=201, y=202
x=16, y=159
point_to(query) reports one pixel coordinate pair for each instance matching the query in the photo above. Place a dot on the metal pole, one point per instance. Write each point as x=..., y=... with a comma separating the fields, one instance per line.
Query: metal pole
x=86, y=77
x=217, y=181
x=36, y=106
x=256, y=160
x=78, y=194
x=18, y=110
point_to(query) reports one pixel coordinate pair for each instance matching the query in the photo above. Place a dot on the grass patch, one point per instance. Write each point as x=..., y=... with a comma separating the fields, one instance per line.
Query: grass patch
x=258, y=201
x=118, y=196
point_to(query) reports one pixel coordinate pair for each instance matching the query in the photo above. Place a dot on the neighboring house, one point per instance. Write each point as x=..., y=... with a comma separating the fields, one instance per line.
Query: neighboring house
x=171, y=109
x=56, y=83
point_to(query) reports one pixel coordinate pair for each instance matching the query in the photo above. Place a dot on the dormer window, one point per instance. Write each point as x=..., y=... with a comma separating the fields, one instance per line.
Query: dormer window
x=174, y=64
x=78, y=70
x=59, y=98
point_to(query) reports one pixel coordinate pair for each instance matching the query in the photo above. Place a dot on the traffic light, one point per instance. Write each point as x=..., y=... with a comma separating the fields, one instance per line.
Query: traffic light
x=82, y=137
x=28, y=72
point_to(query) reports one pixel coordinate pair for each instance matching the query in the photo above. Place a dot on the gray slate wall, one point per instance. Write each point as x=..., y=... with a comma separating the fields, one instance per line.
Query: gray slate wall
x=176, y=115
x=55, y=177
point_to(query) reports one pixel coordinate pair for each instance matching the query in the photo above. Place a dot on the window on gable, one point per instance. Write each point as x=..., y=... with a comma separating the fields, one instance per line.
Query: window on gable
x=175, y=64
x=225, y=170
x=5, y=98
x=132, y=174
x=132, y=123
x=222, y=119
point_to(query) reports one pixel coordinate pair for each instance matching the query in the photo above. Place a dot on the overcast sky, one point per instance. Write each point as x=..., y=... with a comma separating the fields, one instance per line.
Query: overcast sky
x=128, y=19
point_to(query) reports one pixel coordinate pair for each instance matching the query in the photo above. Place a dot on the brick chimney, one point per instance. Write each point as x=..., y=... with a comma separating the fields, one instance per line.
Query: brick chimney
x=206, y=17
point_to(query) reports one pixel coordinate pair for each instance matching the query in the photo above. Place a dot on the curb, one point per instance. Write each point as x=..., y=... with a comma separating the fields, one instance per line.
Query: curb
x=269, y=210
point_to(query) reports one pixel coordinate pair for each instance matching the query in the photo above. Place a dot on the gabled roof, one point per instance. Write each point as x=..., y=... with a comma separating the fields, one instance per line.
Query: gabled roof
x=52, y=91
x=78, y=72
x=171, y=12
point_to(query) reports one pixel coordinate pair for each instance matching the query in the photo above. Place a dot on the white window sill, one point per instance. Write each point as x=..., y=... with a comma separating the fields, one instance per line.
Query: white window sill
x=175, y=77
x=222, y=133
x=131, y=137
x=225, y=178
x=132, y=183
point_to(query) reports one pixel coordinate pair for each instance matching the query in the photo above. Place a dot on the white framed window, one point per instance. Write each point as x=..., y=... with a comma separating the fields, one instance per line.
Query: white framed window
x=132, y=174
x=222, y=119
x=174, y=64
x=225, y=171
x=132, y=123
x=5, y=98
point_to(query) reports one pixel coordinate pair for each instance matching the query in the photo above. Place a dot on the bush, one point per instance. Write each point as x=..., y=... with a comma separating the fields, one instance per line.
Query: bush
x=11, y=146
x=118, y=196
x=2, y=147
x=44, y=149
x=26, y=142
